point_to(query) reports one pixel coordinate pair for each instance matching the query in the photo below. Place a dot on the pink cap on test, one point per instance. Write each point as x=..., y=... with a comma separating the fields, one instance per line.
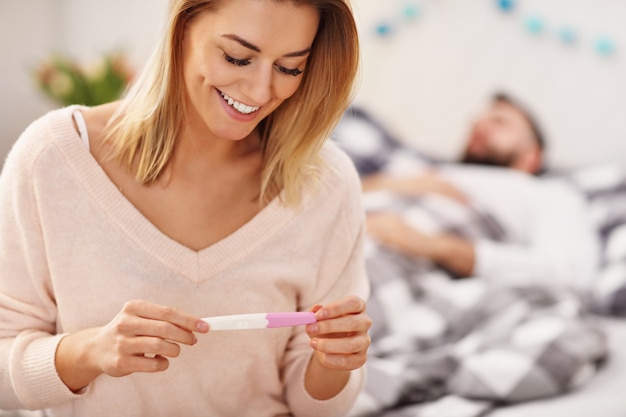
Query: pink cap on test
x=289, y=319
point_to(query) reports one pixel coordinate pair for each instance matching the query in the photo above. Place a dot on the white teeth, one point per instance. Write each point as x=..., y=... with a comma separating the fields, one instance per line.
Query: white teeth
x=240, y=107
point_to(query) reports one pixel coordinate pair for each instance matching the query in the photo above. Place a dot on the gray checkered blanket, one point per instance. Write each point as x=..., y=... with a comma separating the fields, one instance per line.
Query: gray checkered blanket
x=605, y=188
x=443, y=346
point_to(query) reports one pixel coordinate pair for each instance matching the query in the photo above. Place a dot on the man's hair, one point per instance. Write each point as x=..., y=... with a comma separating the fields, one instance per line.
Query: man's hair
x=530, y=118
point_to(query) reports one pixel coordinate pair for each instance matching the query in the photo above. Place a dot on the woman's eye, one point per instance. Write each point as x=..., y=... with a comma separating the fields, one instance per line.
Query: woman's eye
x=243, y=62
x=235, y=61
x=293, y=72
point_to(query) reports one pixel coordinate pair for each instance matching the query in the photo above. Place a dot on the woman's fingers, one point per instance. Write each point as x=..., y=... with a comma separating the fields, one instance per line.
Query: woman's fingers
x=141, y=318
x=340, y=326
x=344, y=317
x=341, y=362
x=346, y=353
x=165, y=330
x=342, y=345
x=142, y=363
x=340, y=335
x=142, y=336
x=165, y=314
x=347, y=305
x=153, y=346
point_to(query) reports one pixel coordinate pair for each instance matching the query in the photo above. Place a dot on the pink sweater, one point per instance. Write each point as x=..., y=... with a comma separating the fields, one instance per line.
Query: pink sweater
x=73, y=250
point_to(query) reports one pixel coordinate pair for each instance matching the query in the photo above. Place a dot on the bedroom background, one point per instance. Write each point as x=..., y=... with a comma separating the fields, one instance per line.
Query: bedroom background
x=428, y=65
x=441, y=59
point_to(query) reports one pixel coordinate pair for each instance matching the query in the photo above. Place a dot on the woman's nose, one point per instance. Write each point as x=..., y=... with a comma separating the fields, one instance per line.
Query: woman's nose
x=260, y=85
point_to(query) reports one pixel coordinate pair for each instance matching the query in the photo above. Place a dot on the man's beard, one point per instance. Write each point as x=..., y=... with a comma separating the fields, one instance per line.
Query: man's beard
x=487, y=160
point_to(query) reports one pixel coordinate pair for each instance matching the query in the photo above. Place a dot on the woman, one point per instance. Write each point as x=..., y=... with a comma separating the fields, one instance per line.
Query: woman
x=208, y=190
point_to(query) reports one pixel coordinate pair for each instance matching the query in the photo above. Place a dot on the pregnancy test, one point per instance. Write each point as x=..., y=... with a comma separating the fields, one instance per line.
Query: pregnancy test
x=259, y=320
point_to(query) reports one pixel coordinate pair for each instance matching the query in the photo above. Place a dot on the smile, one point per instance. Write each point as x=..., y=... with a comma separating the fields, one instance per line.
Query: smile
x=240, y=107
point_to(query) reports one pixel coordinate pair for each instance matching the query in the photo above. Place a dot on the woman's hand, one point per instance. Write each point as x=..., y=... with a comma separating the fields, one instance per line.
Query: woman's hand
x=340, y=339
x=139, y=339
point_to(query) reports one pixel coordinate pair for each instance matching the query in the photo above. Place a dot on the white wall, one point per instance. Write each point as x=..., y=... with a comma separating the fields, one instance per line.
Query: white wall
x=429, y=79
x=93, y=27
x=27, y=30
x=31, y=30
x=426, y=81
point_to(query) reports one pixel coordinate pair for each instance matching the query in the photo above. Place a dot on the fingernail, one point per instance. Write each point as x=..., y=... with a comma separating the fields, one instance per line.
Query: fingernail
x=313, y=328
x=313, y=343
x=322, y=314
x=195, y=340
x=202, y=326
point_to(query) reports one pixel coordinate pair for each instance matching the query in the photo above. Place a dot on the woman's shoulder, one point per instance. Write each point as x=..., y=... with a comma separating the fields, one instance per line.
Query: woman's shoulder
x=97, y=118
x=41, y=135
x=337, y=182
x=337, y=167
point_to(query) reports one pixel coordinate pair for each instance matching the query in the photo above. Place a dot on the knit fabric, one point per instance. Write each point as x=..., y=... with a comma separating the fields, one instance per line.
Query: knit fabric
x=74, y=250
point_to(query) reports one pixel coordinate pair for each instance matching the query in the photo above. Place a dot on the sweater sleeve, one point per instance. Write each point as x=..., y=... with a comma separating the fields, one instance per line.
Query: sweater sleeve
x=345, y=274
x=28, y=339
x=562, y=246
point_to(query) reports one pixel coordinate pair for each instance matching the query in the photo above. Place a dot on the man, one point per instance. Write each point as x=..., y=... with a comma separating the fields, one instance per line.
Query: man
x=548, y=235
x=506, y=135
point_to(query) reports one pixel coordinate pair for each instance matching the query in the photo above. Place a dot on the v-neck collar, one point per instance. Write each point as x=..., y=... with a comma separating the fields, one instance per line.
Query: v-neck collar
x=194, y=265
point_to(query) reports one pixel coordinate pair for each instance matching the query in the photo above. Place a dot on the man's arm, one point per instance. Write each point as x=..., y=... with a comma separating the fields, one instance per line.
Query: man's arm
x=449, y=251
x=560, y=247
x=412, y=185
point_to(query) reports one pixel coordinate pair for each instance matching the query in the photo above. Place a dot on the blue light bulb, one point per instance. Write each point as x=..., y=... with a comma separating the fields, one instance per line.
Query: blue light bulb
x=534, y=25
x=506, y=5
x=605, y=46
x=568, y=35
x=410, y=11
x=384, y=29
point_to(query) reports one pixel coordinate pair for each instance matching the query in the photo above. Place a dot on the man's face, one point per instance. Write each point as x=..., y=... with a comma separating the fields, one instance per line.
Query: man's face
x=500, y=136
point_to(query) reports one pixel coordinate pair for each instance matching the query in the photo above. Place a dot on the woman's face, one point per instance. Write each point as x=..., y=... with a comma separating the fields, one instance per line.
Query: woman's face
x=243, y=60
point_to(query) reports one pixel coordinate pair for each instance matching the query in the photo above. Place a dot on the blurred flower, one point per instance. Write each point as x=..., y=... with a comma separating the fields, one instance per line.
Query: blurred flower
x=66, y=82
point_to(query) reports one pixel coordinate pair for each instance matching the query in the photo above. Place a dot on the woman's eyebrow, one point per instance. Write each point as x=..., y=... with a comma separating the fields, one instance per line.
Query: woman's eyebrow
x=255, y=48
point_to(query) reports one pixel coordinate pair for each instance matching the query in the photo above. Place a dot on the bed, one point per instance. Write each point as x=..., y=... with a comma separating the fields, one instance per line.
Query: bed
x=434, y=353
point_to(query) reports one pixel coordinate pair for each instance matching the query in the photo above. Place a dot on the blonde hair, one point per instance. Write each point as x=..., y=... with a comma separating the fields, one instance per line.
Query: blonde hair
x=149, y=118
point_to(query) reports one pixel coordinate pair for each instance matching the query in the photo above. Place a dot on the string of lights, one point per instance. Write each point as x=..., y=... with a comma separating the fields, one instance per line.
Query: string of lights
x=535, y=24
